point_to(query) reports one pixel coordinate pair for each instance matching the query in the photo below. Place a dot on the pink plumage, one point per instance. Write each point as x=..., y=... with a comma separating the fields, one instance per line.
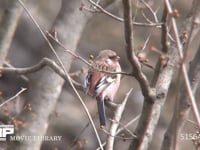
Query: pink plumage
x=103, y=85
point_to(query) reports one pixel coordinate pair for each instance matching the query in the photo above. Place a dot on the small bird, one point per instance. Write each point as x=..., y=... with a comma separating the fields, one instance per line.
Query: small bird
x=103, y=85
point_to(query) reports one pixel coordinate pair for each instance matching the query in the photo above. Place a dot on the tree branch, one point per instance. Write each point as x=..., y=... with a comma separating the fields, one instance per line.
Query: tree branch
x=43, y=63
x=8, y=26
x=101, y=9
x=147, y=91
x=13, y=97
x=114, y=125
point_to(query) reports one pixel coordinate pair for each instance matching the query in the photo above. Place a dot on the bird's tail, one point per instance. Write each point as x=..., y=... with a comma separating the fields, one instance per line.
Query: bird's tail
x=101, y=111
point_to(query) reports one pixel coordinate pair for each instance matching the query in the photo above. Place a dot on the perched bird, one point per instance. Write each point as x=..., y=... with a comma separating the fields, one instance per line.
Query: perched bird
x=103, y=85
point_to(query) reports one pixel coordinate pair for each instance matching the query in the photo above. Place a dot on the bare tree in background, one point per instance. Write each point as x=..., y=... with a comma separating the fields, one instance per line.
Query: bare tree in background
x=47, y=98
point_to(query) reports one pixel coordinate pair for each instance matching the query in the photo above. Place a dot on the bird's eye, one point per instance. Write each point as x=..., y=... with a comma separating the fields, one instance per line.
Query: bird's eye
x=114, y=57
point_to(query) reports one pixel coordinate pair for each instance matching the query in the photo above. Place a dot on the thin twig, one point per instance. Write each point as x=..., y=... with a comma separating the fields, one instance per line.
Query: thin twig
x=25, y=78
x=121, y=19
x=68, y=51
x=125, y=126
x=43, y=63
x=118, y=136
x=97, y=3
x=151, y=10
x=114, y=125
x=147, y=40
x=155, y=18
x=146, y=18
x=13, y=98
x=78, y=136
x=192, y=122
x=128, y=124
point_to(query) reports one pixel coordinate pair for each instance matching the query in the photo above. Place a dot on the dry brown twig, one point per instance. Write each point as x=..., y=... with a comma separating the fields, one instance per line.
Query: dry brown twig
x=101, y=9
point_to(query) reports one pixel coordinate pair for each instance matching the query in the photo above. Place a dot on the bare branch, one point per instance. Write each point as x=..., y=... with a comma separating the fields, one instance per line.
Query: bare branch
x=23, y=77
x=68, y=51
x=43, y=63
x=13, y=98
x=139, y=75
x=8, y=26
x=121, y=19
x=114, y=125
x=151, y=10
x=125, y=126
x=128, y=124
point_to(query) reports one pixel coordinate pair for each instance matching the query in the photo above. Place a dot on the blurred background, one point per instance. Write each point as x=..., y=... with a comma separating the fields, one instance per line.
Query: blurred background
x=101, y=32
